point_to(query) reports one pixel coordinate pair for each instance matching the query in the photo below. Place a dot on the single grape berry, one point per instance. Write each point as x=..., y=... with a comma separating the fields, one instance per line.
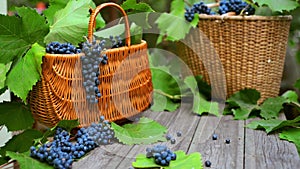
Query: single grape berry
x=207, y=163
x=168, y=137
x=178, y=133
x=214, y=136
x=227, y=141
x=173, y=141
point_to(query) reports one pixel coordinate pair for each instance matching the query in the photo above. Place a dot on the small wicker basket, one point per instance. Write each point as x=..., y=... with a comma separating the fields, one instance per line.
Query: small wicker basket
x=251, y=50
x=126, y=83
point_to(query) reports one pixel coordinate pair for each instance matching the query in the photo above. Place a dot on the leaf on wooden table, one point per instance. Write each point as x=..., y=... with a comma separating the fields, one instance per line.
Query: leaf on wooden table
x=292, y=135
x=200, y=104
x=15, y=116
x=26, y=72
x=273, y=124
x=183, y=161
x=146, y=131
x=246, y=100
x=26, y=162
x=271, y=107
x=291, y=96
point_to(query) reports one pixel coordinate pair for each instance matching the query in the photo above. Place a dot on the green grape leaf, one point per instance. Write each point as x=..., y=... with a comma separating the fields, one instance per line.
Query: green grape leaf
x=174, y=24
x=246, y=100
x=271, y=107
x=26, y=72
x=70, y=24
x=165, y=85
x=4, y=68
x=15, y=116
x=134, y=7
x=21, y=142
x=146, y=131
x=273, y=124
x=290, y=96
x=279, y=5
x=292, y=135
x=55, y=5
x=182, y=161
x=18, y=34
x=297, y=84
x=163, y=81
x=116, y=30
x=162, y=103
x=26, y=162
x=200, y=104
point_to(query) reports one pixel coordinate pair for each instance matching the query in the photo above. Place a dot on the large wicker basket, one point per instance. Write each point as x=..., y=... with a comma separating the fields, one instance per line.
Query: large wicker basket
x=126, y=84
x=251, y=50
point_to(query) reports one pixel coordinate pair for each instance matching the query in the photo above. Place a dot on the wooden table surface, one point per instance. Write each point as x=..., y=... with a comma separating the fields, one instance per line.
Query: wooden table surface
x=248, y=149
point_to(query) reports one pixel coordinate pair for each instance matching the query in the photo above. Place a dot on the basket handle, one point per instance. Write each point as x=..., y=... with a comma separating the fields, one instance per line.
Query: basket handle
x=95, y=12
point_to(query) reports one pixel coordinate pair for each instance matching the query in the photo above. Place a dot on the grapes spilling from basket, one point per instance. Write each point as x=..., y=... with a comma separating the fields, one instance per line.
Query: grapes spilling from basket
x=91, y=60
x=239, y=7
x=101, y=133
x=61, y=152
x=62, y=48
x=162, y=155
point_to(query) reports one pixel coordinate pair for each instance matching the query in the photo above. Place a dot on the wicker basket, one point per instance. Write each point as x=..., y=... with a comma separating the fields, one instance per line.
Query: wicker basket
x=251, y=50
x=60, y=93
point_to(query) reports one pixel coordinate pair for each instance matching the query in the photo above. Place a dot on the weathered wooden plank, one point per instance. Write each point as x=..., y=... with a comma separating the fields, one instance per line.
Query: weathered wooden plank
x=221, y=155
x=268, y=151
x=183, y=121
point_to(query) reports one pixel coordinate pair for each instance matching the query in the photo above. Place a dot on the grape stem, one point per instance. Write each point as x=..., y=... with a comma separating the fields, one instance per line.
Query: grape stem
x=174, y=97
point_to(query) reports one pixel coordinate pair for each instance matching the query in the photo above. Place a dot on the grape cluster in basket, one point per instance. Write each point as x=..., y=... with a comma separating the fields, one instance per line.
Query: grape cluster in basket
x=162, y=155
x=225, y=6
x=61, y=48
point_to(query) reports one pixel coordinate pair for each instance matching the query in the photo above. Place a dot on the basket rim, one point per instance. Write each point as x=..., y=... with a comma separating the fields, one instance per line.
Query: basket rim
x=64, y=56
x=252, y=17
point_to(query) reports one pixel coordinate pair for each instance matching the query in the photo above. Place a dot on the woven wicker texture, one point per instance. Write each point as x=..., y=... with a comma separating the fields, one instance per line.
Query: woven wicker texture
x=126, y=84
x=251, y=49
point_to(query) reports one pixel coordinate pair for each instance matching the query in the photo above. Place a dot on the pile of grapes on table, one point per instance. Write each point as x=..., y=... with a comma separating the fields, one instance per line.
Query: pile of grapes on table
x=239, y=7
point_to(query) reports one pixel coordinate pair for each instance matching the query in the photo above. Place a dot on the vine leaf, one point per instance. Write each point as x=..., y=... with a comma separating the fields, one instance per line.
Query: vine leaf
x=15, y=116
x=166, y=88
x=182, y=161
x=200, y=104
x=21, y=143
x=4, y=68
x=290, y=96
x=70, y=24
x=174, y=24
x=246, y=100
x=146, y=131
x=297, y=84
x=292, y=135
x=26, y=72
x=271, y=107
x=18, y=34
x=279, y=5
x=273, y=124
x=26, y=162
x=55, y=5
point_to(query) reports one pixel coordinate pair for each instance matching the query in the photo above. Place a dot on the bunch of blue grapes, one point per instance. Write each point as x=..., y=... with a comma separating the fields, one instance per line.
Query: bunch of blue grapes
x=116, y=41
x=62, y=48
x=197, y=8
x=162, y=155
x=237, y=6
x=91, y=61
x=61, y=152
x=101, y=133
